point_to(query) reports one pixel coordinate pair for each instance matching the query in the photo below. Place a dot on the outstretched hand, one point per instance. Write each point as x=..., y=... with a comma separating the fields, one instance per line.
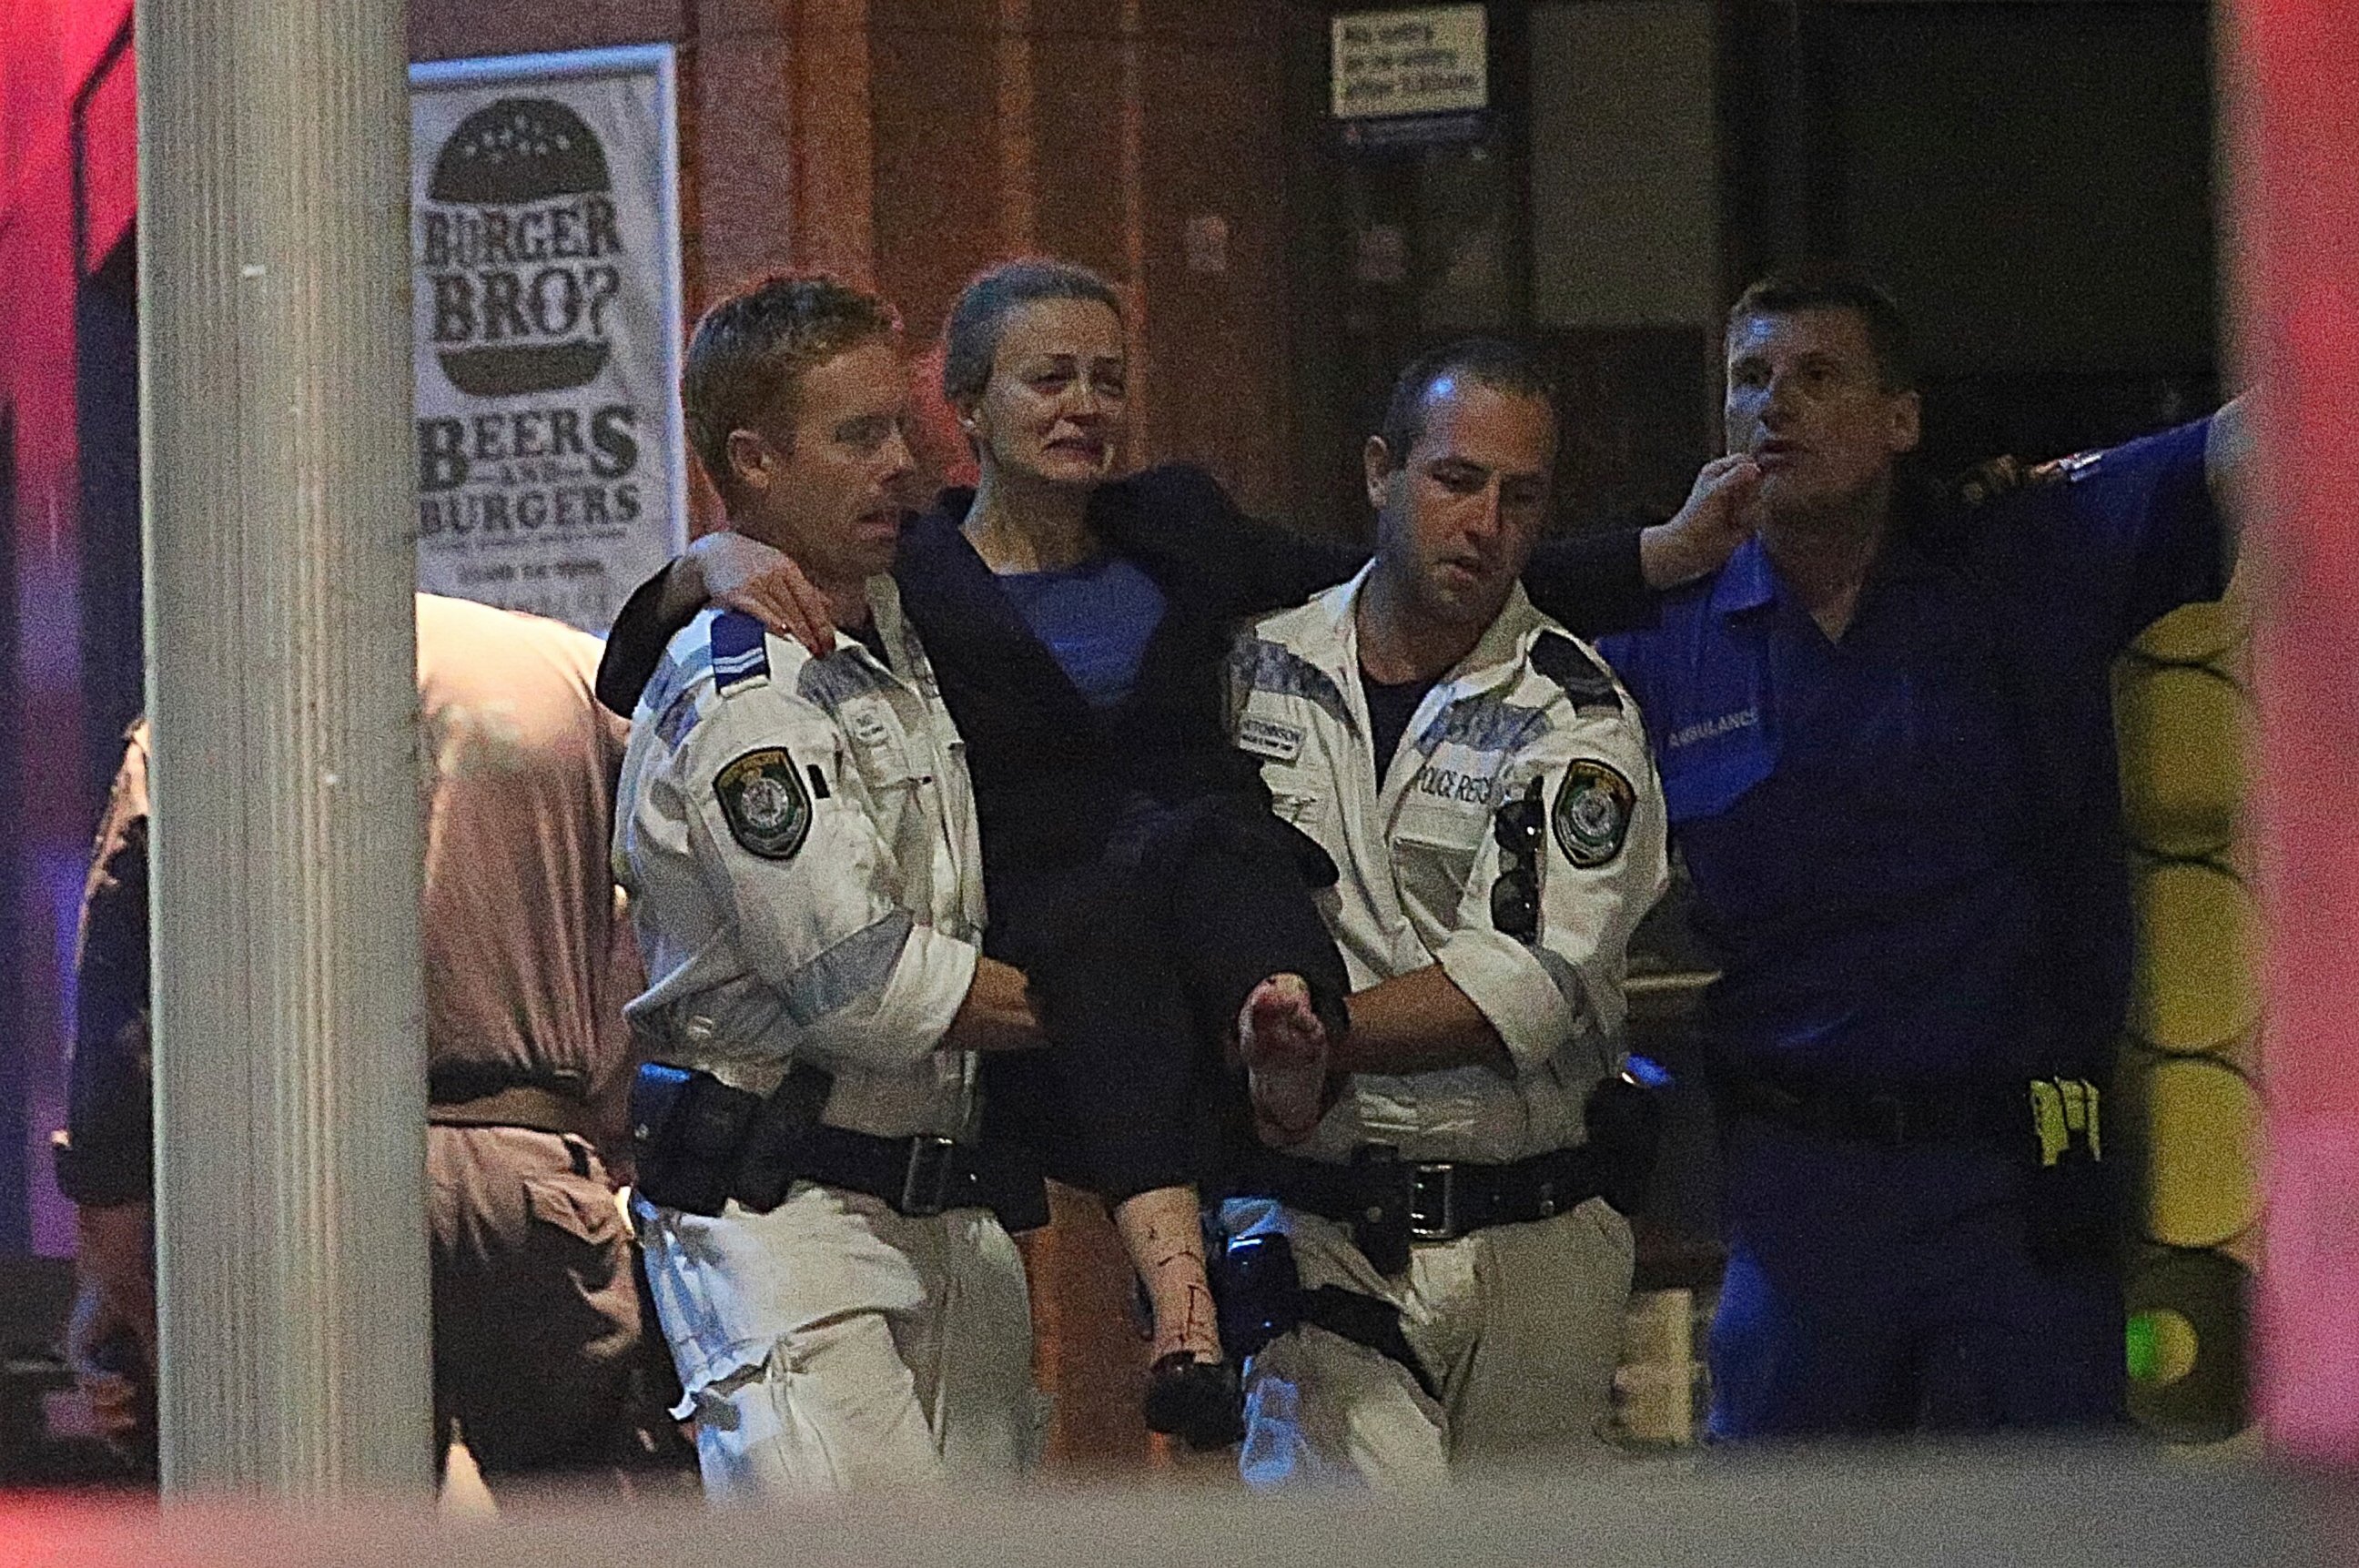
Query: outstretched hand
x=745, y=574
x=1718, y=516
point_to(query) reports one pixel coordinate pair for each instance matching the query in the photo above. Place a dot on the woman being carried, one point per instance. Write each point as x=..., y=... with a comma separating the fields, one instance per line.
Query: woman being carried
x=1079, y=625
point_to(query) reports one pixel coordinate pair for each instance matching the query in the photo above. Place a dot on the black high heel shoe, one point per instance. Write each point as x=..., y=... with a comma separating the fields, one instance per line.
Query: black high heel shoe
x=1196, y=1401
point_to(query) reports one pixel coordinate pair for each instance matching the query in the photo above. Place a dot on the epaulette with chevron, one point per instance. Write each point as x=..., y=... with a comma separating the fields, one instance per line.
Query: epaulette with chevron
x=1585, y=680
x=740, y=659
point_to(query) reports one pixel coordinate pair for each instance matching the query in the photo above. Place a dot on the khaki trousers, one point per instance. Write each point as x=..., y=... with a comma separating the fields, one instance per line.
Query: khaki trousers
x=1518, y=1326
x=535, y=1311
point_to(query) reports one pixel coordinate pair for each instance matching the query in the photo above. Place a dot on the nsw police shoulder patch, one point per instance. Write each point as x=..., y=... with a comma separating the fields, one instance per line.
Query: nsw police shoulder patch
x=768, y=811
x=1592, y=815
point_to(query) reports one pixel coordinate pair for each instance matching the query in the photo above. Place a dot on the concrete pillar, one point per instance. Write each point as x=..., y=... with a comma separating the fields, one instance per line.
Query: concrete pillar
x=290, y=1062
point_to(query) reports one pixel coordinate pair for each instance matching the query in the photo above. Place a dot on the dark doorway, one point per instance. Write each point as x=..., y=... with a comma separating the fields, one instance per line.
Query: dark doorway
x=2032, y=179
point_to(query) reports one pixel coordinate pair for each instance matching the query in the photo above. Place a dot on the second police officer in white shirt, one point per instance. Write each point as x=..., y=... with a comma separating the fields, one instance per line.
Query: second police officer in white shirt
x=1483, y=786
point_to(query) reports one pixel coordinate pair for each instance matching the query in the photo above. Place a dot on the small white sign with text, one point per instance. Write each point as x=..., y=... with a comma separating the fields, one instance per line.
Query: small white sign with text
x=1430, y=61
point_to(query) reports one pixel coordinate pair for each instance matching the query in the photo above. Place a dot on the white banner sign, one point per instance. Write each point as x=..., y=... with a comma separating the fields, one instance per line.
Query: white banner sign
x=545, y=257
x=1431, y=60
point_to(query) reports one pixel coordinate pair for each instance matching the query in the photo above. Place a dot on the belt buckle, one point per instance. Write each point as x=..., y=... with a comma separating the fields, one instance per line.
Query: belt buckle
x=926, y=1183
x=1433, y=1202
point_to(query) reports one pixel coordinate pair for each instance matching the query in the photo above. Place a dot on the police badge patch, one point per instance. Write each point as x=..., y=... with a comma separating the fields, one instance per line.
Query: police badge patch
x=769, y=812
x=1592, y=815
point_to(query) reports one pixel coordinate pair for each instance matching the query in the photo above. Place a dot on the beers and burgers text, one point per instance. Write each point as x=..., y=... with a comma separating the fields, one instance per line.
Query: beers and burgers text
x=530, y=468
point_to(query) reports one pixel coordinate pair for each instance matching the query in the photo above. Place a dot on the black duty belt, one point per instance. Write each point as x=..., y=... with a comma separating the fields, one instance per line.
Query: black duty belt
x=1858, y=1116
x=701, y=1143
x=1389, y=1202
x=537, y=1107
x=917, y=1177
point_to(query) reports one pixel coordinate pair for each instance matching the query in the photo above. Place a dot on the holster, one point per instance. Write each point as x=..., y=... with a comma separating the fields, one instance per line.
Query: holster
x=1625, y=1124
x=1256, y=1290
x=2073, y=1215
x=1257, y=1296
x=699, y=1143
x=2073, y=1199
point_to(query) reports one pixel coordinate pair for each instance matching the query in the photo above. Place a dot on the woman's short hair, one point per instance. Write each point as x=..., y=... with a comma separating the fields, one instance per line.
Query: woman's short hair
x=971, y=337
x=750, y=351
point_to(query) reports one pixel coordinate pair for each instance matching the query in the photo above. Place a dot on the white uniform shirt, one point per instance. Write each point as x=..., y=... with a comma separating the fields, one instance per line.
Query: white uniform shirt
x=798, y=839
x=1419, y=859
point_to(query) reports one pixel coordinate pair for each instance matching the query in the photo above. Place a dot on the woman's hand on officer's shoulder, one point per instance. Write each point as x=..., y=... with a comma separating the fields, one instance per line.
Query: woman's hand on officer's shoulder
x=729, y=569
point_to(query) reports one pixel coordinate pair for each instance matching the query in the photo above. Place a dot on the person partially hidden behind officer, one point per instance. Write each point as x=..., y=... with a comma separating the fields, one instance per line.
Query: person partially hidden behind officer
x=797, y=834
x=1425, y=1262
x=1885, y=737
x=537, y=1351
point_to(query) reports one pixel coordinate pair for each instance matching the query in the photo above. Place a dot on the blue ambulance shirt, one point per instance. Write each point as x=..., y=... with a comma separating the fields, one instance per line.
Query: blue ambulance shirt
x=1905, y=843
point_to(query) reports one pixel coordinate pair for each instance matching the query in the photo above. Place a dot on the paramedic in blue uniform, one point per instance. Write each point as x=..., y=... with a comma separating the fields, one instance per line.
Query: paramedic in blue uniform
x=1886, y=740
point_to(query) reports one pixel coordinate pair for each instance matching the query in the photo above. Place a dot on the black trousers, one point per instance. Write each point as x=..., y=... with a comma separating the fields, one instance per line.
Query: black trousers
x=1139, y=961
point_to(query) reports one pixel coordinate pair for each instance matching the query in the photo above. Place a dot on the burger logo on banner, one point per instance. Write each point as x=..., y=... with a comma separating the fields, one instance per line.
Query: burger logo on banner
x=545, y=315
x=519, y=243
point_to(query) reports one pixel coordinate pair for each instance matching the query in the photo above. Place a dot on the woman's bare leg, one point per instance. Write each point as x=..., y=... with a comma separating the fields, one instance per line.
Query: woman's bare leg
x=1161, y=1231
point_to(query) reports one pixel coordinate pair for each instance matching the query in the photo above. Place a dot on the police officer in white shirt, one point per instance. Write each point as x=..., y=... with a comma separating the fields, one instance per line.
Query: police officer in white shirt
x=797, y=835
x=1456, y=1283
